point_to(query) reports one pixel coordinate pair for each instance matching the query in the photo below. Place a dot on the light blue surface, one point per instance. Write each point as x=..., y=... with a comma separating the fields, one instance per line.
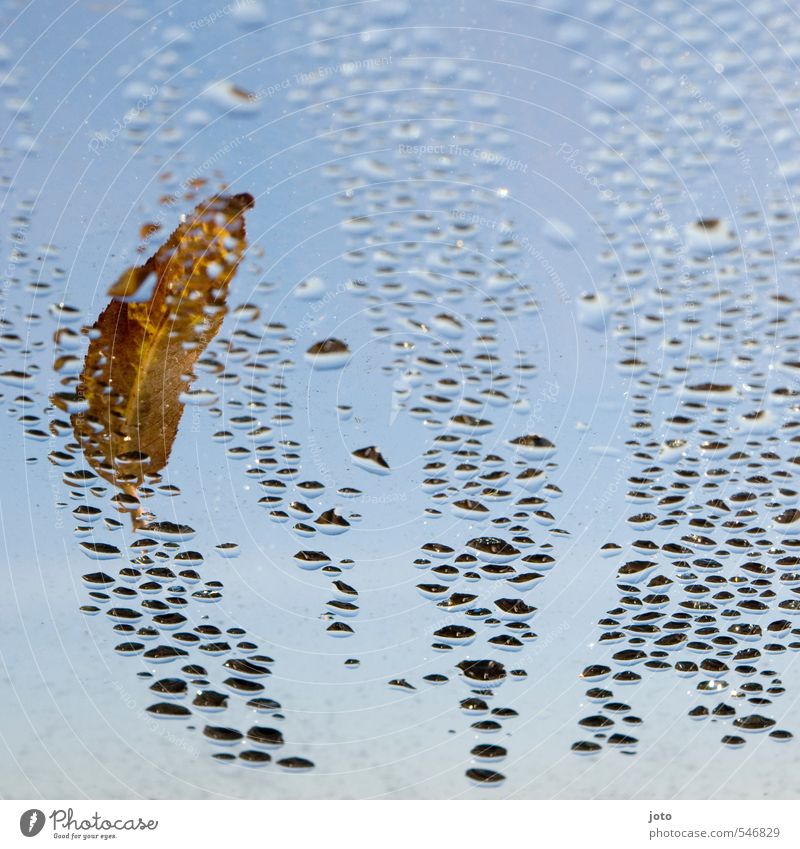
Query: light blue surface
x=73, y=722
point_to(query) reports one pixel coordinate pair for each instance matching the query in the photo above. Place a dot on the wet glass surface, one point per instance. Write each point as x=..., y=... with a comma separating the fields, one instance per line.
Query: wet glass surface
x=400, y=400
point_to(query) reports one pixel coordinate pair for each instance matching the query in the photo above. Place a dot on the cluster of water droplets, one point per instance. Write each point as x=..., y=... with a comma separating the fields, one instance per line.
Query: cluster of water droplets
x=434, y=286
x=700, y=313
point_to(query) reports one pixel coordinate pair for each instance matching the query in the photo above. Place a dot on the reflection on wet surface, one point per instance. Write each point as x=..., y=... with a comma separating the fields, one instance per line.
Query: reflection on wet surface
x=477, y=453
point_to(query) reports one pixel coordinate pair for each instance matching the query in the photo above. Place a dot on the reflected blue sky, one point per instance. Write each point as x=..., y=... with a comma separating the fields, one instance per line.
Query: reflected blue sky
x=73, y=721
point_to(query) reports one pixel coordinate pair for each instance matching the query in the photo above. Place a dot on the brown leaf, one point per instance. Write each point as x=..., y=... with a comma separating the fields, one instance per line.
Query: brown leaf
x=142, y=353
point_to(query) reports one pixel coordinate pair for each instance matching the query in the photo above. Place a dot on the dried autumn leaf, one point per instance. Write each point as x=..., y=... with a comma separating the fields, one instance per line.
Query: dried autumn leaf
x=142, y=353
